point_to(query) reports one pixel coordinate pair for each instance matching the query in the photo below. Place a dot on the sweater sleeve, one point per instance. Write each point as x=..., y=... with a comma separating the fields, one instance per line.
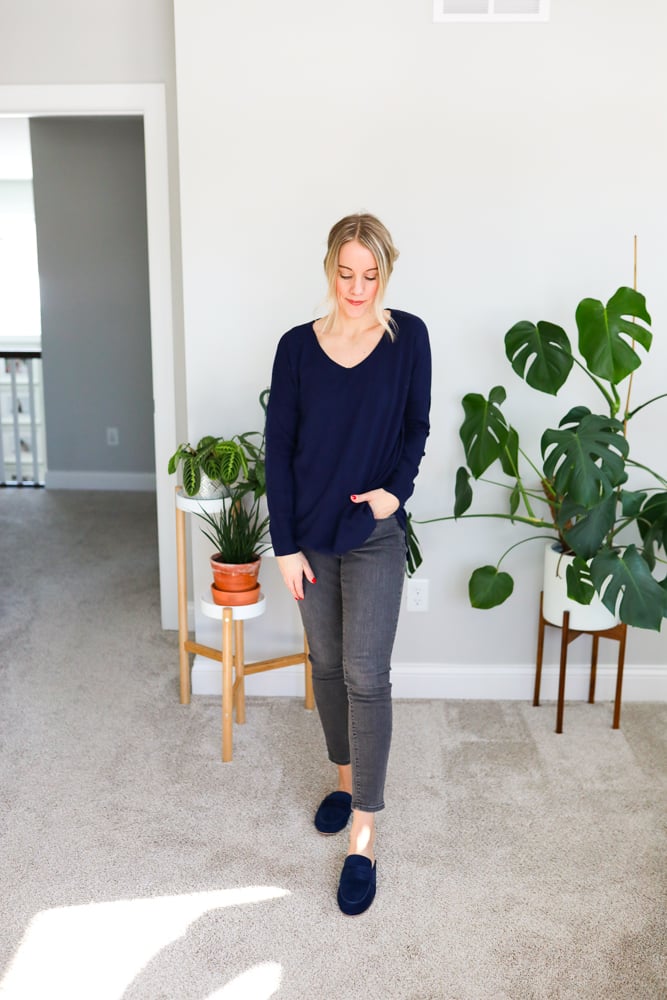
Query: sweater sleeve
x=281, y=436
x=416, y=421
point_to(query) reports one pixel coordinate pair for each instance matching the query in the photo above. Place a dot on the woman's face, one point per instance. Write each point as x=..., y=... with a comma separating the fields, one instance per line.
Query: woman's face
x=356, y=281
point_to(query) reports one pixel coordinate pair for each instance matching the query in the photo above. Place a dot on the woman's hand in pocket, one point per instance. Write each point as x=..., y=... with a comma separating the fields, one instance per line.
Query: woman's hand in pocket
x=381, y=502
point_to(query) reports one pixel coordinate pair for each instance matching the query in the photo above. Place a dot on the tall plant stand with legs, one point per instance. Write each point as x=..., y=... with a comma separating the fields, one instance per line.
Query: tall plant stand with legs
x=568, y=635
x=231, y=655
x=234, y=668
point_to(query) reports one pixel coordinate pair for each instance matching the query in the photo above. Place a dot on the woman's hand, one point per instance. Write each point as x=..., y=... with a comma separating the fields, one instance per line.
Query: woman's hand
x=293, y=568
x=381, y=502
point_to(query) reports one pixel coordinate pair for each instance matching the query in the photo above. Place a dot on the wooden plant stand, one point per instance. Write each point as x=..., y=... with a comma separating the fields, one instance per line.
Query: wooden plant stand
x=231, y=655
x=568, y=635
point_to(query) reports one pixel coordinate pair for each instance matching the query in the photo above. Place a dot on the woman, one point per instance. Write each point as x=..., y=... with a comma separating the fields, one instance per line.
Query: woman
x=346, y=427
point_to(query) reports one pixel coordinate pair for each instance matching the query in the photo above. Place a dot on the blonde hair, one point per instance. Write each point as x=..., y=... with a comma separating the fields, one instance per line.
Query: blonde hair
x=370, y=232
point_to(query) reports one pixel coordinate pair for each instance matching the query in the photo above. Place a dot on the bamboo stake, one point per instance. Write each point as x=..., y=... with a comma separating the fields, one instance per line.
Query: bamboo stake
x=634, y=285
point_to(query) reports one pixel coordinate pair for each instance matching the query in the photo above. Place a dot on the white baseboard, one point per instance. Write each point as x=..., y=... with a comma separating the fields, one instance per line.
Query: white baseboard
x=644, y=682
x=138, y=482
x=286, y=682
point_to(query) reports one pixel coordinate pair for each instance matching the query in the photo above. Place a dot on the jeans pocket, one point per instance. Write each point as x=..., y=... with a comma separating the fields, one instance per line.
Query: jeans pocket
x=387, y=527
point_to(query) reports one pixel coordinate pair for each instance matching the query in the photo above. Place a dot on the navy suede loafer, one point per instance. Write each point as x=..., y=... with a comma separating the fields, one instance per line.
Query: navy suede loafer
x=358, y=880
x=333, y=813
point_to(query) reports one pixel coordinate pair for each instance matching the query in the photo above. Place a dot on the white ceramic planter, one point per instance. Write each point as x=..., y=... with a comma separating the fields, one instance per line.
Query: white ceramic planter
x=593, y=617
x=210, y=489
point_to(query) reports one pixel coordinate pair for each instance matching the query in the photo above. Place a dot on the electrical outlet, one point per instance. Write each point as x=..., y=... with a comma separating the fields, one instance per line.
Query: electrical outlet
x=112, y=436
x=417, y=595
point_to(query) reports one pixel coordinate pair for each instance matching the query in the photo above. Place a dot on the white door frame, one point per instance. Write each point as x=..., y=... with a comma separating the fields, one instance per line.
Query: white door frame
x=147, y=100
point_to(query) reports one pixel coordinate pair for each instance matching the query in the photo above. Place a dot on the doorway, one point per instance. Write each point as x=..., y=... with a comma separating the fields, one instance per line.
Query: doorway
x=147, y=101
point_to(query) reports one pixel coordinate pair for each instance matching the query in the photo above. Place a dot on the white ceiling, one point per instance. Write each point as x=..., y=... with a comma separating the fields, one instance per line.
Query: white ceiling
x=15, y=158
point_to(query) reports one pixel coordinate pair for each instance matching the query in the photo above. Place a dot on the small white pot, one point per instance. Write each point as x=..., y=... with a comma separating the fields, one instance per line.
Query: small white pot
x=593, y=617
x=210, y=489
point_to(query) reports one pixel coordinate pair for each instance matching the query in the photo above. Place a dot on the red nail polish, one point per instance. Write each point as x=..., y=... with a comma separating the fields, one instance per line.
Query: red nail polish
x=313, y=580
x=354, y=496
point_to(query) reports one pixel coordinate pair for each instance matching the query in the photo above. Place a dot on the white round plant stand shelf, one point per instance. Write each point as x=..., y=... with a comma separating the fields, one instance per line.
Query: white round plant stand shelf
x=198, y=505
x=240, y=612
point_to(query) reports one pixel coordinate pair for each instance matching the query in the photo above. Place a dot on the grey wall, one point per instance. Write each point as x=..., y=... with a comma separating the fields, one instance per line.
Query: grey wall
x=90, y=209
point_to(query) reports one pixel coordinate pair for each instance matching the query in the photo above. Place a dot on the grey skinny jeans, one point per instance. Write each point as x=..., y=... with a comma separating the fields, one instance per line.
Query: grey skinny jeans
x=350, y=617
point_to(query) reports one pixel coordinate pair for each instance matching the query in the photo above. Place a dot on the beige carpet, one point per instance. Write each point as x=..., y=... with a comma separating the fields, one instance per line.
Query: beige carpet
x=513, y=864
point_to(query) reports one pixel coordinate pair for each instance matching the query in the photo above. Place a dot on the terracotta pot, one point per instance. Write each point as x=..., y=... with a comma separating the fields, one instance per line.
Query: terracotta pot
x=234, y=598
x=591, y=617
x=235, y=576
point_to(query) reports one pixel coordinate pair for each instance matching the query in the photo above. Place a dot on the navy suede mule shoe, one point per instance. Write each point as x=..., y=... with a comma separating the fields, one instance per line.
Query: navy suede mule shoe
x=356, y=889
x=333, y=813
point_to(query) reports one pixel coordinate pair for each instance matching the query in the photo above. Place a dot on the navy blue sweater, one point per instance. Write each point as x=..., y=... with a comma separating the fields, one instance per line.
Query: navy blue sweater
x=332, y=432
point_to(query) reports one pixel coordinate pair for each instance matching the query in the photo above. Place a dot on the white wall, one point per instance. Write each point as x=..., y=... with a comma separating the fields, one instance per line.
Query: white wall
x=19, y=282
x=15, y=158
x=513, y=164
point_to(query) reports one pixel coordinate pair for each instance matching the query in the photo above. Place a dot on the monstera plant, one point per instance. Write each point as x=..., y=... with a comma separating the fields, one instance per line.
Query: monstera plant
x=578, y=490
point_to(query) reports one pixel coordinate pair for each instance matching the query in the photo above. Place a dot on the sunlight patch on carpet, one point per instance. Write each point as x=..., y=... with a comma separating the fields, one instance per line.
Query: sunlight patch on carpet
x=98, y=949
x=260, y=983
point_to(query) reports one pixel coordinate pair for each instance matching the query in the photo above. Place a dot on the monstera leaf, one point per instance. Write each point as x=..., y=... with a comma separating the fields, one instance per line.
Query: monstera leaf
x=413, y=555
x=579, y=581
x=652, y=524
x=643, y=600
x=484, y=431
x=509, y=455
x=586, y=458
x=601, y=330
x=488, y=587
x=540, y=354
x=463, y=491
x=631, y=502
x=584, y=528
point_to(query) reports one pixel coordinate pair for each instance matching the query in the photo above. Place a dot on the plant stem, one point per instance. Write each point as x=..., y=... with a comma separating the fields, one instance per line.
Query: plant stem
x=535, y=469
x=629, y=416
x=638, y=465
x=525, y=494
x=533, y=522
x=632, y=374
x=532, y=538
x=614, y=401
x=533, y=494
